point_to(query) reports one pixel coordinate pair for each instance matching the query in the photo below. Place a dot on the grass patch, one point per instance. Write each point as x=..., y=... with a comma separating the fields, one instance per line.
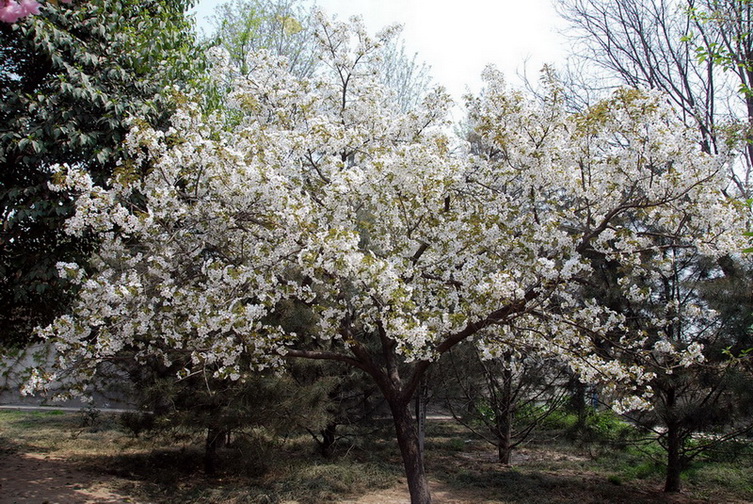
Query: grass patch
x=707, y=480
x=35, y=431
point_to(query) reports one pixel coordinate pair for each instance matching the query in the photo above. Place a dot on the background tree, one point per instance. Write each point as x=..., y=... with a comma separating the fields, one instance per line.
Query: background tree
x=70, y=79
x=697, y=52
x=691, y=395
x=251, y=413
x=501, y=398
x=284, y=27
x=288, y=28
x=661, y=297
x=352, y=401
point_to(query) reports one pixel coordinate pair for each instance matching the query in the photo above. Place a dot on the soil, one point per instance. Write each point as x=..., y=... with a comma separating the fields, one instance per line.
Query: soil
x=29, y=478
x=442, y=495
x=399, y=495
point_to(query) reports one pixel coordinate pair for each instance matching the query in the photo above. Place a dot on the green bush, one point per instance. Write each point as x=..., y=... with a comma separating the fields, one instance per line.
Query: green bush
x=136, y=422
x=559, y=419
x=645, y=469
x=607, y=427
x=733, y=450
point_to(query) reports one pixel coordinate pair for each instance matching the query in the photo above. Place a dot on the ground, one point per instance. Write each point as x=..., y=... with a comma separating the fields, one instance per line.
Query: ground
x=39, y=479
x=48, y=479
x=49, y=458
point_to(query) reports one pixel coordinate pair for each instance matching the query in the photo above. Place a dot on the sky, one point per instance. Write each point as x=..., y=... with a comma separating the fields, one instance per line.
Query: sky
x=458, y=39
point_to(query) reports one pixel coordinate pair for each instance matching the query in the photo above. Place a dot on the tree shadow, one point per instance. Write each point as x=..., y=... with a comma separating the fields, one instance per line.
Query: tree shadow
x=36, y=478
x=528, y=486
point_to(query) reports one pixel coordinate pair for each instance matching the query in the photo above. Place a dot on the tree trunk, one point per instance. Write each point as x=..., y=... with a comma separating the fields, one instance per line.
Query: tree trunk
x=215, y=439
x=421, y=394
x=504, y=414
x=504, y=450
x=578, y=402
x=407, y=440
x=329, y=436
x=674, y=461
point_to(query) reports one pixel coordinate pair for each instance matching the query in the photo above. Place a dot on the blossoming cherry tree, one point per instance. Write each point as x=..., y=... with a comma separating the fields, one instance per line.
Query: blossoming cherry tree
x=397, y=241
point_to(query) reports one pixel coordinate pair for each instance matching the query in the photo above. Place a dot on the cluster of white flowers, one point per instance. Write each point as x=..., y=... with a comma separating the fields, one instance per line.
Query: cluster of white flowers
x=693, y=354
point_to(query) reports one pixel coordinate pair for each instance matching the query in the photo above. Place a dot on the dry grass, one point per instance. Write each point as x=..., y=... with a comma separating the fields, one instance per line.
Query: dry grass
x=365, y=471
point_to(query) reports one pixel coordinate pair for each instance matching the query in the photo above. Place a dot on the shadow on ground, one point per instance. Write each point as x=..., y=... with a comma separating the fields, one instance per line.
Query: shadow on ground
x=39, y=478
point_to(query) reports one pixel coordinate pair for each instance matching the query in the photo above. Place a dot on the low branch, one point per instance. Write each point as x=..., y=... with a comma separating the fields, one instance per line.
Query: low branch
x=322, y=355
x=472, y=328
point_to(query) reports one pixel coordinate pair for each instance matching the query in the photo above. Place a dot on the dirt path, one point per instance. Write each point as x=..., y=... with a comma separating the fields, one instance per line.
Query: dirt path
x=398, y=494
x=43, y=479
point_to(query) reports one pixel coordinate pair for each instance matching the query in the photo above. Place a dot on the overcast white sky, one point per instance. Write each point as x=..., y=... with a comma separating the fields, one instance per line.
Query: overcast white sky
x=458, y=39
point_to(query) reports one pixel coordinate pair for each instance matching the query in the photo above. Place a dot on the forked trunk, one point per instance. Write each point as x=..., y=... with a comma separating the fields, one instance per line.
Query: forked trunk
x=407, y=439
